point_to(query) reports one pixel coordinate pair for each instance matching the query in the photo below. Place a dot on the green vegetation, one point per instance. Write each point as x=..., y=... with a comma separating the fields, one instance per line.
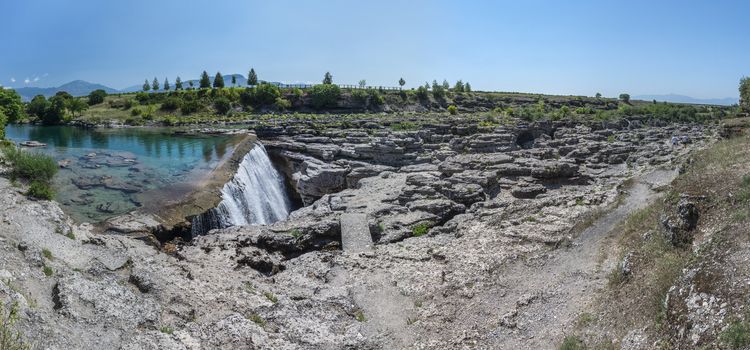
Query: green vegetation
x=736, y=336
x=421, y=229
x=166, y=329
x=325, y=96
x=572, y=342
x=745, y=94
x=10, y=337
x=97, y=96
x=252, y=78
x=36, y=168
x=360, y=316
x=218, y=80
x=328, y=78
x=452, y=109
x=47, y=253
x=257, y=319
x=272, y=298
x=47, y=271
x=625, y=98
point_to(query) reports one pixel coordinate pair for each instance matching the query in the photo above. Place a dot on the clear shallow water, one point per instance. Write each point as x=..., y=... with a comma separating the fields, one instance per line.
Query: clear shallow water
x=108, y=172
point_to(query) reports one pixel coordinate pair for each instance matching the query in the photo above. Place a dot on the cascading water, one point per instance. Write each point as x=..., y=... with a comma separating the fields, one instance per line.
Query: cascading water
x=255, y=196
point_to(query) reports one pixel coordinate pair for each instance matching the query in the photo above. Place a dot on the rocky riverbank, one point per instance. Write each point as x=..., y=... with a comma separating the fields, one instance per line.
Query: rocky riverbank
x=450, y=208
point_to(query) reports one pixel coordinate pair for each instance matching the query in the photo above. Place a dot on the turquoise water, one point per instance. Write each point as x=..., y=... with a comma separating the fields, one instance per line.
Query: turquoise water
x=108, y=172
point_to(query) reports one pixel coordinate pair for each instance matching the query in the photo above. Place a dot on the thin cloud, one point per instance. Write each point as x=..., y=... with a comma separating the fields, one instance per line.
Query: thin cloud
x=26, y=81
x=36, y=79
x=12, y=80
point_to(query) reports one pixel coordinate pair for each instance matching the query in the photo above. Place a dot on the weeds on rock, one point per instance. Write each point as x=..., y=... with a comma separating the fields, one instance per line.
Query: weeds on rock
x=572, y=342
x=257, y=319
x=10, y=338
x=47, y=253
x=736, y=336
x=360, y=316
x=272, y=298
x=420, y=229
x=47, y=271
x=166, y=330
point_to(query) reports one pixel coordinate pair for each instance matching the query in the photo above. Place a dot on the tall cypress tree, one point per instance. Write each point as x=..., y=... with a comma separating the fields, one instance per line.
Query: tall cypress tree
x=166, y=84
x=234, y=80
x=155, y=85
x=328, y=78
x=178, y=84
x=252, y=78
x=205, y=81
x=146, y=86
x=218, y=80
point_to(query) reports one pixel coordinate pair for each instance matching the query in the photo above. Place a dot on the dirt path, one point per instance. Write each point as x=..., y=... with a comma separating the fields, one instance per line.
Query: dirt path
x=539, y=300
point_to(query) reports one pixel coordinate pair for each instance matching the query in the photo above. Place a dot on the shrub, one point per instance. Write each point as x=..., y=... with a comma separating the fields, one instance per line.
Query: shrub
x=282, y=103
x=30, y=165
x=134, y=121
x=190, y=107
x=360, y=96
x=572, y=342
x=222, y=105
x=47, y=271
x=136, y=112
x=96, y=97
x=422, y=93
x=376, y=99
x=453, y=110
x=420, y=229
x=325, y=95
x=171, y=103
x=40, y=190
x=265, y=94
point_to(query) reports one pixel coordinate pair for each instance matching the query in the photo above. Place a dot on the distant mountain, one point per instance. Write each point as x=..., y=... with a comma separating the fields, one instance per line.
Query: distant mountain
x=728, y=101
x=75, y=88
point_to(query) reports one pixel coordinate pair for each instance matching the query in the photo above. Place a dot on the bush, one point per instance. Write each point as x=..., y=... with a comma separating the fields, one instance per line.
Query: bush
x=422, y=93
x=325, y=95
x=171, y=103
x=282, y=103
x=376, y=99
x=96, y=97
x=420, y=229
x=134, y=121
x=190, y=107
x=737, y=335
x=453, y=110
x=40, y=190
x=30, y=166
x=360, y=96
x=222, y=105
x=3, y=120
x=265, y=94
x=136, y=112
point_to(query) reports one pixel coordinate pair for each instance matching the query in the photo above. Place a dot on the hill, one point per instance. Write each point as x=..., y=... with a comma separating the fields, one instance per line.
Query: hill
x=75, y=88
x=727, y=101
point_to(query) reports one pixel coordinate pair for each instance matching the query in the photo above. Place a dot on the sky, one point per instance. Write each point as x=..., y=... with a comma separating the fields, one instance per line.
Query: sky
x=689, y=47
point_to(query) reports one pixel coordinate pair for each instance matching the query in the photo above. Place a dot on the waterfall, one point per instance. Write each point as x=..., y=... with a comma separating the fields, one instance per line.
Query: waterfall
x=256, y=195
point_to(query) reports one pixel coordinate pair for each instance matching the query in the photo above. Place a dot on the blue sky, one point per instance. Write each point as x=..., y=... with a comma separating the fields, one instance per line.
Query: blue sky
x=690, y=47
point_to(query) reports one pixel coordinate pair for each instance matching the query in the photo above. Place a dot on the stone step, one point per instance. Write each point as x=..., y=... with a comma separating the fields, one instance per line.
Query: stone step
x=355, y=233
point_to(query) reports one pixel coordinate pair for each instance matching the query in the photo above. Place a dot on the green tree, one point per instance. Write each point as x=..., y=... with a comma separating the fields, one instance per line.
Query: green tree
x=218, y=80
x=598, y=95
x=325, y=96
x=166, y=84
x=178, y=84
x=222, y=105
x=362, y=83
x=11, y=105
x=252, y=78
x=265, y=94
x=467, y=87
x=205, y=81
x=459, y=87
x=190, y=83
x=96, y=97
x=438, y=90
x=401, y=82
x=38, y=106
x=745, y=94
x=625, y=98
x=328, y=78
x=146, y=86
x=55, y=114
x=234, y=80
x=446, y=84
x=76, y=106
x=3, y=121
x=155, y=85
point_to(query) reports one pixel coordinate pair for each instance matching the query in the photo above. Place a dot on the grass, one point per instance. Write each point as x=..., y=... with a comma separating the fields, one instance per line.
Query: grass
x=420, y=229
x=295, y=233
x=736, y=336
x=272, y=298
x=47, y=253
x=166, y=330
x=257, y=319
x=48, y=271
x=360, y=316
x=10, y=337
x=70, y=235
x=36, y=168
x=572, y=342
